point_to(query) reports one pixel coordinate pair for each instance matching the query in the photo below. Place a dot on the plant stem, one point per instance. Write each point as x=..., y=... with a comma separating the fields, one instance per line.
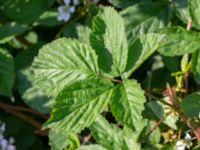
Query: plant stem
x=160, y=100
x=23, y=109
x=28, y=119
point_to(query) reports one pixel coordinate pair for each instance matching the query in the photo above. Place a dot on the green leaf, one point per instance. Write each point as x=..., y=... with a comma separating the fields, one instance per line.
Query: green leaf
x=127, y=103
x=10, y=30
x=114, y=138
x=49, y=19
x=7, y=74
x=181, y=9
x=191, y=105
x=154, y=137
x=84, y=33
x=194, y=7
x=145, y=17
x=63, y=62
x=122, y=3
x=32, y=94
x=92, y=147
x=78, y=105
x=195, y=65
x=57, y=140
x=173, y=45
x=109, y=41
x=141, y=50
x=74, y=141
x=24, y=11
x=153, y=110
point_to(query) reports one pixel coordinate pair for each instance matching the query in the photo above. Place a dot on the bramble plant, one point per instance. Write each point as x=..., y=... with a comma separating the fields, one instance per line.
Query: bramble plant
x=100, y=75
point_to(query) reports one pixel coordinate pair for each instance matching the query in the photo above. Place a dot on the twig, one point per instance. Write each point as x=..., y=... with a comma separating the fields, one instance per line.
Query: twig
x=25, y=118
x=159, y=99
x=112, y=79
x=152, y=130
x=23, y=109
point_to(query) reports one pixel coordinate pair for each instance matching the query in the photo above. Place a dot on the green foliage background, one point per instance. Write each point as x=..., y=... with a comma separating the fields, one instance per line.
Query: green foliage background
x=119, y=75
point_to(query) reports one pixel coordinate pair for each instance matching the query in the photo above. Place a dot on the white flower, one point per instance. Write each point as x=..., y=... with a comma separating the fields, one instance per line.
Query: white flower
x=11, y=147
x=65, y=11
x=188, y=137
x=75, y=2
x=181, y=145
x=4, y=143
x=66, y=2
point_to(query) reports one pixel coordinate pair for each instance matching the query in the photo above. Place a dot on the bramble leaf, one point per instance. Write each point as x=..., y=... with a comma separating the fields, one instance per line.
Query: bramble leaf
x=114, y=138
x=173, y=45
x=62, y=63
x=127, y=103
x=78, y=105
x=109, y=41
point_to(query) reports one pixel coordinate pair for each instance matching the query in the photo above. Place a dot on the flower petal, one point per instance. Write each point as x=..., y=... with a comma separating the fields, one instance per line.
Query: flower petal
x=61, y=9
x=72, y=9
x=66, y=2
x=76, y=2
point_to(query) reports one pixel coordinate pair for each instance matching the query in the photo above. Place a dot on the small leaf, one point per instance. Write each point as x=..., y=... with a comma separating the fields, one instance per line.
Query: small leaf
x=173, y=45
x=191, y=105
x=112, y=137
x=153, y=111
x=109, y=41
x=10, y=30
x=78, y=105
x=127, y=103
x=7, y=74
x=62, y=63
x=24, y=11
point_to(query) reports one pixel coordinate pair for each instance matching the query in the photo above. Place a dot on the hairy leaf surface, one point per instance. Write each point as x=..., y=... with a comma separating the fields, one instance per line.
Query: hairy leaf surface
x=78, y=105
x=127, y=103
x=63, y=62
x=173, y=45
x=109, y=41
x=112, y=137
